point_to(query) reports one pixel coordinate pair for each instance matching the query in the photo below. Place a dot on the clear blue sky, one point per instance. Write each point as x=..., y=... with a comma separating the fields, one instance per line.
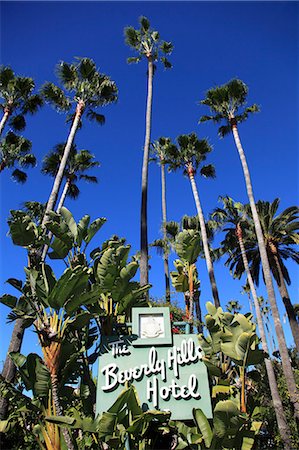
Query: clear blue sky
x=213, y=42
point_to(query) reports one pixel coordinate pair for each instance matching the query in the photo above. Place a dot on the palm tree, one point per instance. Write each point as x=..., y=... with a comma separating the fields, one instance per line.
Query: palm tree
x=233, y=306
x=228, y=103
x=280, y=235
x=78, y=164
x=90, y=90
x=18, y=99
x=189, y=155
x=187, y=245
x=147, y=43
x=246, y=291
x=159, y=148
x=16, y=150
x=232, y=218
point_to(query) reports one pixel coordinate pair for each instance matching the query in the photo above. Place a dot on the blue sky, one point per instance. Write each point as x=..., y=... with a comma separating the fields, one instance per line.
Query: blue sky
x=213, y=42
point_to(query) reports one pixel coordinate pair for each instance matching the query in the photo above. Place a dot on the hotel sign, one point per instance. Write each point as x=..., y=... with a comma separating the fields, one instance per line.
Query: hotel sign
x=167, y=376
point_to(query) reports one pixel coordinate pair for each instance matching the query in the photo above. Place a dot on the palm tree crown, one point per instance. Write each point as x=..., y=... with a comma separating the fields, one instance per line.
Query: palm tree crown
x=16, y=149
x=280, y=234
x=86, y=86
x=147, y=43
x=18, y=98
x=190, y=153
x=228, y=103
x=79, y=162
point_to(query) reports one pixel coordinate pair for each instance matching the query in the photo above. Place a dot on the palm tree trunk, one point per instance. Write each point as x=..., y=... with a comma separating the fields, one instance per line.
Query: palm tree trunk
x=144, y=180
x=59, y=412
x=204, y=238
x=286, y=364
x=9, y=369
x=198, y=311
x=164, y=219
x=282, y=423
x=4, y=119
x=59, y=176
x=63, y=195
x=287, y=303
x=60, y=205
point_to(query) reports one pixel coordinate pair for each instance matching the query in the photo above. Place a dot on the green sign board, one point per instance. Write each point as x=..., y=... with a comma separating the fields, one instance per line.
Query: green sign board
x=168, y=377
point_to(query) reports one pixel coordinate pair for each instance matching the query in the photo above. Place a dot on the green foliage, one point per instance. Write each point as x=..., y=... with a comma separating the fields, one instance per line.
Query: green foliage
x=16, y=150
x=79, y=162
x=225, y=103
x=189, y=154
x=70, y=238
x=17, y=97
x=146, y=43
x=85, y=84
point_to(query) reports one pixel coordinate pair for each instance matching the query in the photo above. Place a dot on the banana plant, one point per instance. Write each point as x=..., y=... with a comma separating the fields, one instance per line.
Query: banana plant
x=71, y=238
x=187, y=246
x=61, y=319
x=124, y=425
x=114, y=275
x=231, y=347
x=229, y=429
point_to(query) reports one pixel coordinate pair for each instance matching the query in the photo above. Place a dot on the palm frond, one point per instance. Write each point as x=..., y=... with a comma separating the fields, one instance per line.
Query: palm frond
x=145, y=23
x=99, y=118
x=87, y=68
x=89, y=179
x=6, y=76
x=132, y=37
x=23, y=87
x=73, y=191
x=17, y=122
x=224, y=130
x=54, y=95
x=67, y=74
x=208, y=171
x=166, y=47
x=19, y=176
x=28, y=160
x=133, y=60
x=166, y=63
x=32, y=104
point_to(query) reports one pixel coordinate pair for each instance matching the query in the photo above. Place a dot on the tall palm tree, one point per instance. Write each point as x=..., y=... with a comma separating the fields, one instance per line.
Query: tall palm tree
x=16, y=150
x=18, y=99
x=88, y=89
x=147, y=44
x=231, y=219
x=159, y=148
x=228, y=103
x=280, y=235
x=79, y=162
x=189, y=155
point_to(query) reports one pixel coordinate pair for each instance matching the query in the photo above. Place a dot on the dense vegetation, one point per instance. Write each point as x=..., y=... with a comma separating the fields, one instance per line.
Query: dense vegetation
x=48, y=399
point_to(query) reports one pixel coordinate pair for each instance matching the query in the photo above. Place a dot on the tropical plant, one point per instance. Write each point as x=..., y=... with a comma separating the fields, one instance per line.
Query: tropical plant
x=230, y=348
x=187, y=246
x=18, y=99
x=159, y=156
x=79, y=162
x=16, y=150
x=281, y=236
x=147, y=44
x=58, y=311
x=232, y=218
x=124, y=425
x=233, y=306
x=228, y=103
x=26, y=231
x=90, y=90
x=189, y=156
